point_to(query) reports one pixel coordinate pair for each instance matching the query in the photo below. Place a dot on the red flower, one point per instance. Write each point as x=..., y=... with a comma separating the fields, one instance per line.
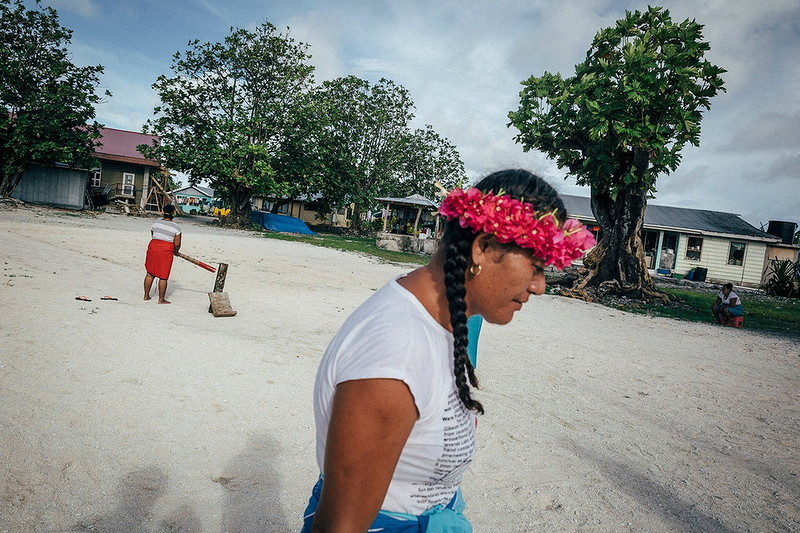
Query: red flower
x=511, y=220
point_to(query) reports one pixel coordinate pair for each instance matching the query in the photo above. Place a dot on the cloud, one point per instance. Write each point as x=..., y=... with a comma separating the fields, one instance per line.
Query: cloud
x=131, y=104
x=786, y=168
x=84, y=8
x=769, y=130
x=211, y=8
x=324, y=36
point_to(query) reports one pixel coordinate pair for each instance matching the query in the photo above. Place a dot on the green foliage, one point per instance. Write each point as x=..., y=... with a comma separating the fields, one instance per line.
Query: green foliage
x=227, y=114
x=633, y=104
x=365, y=150
x=46, y=102
x=363, y=127
x=429, y=161
x=783, y=278
x=244, y=115
x=620, y=122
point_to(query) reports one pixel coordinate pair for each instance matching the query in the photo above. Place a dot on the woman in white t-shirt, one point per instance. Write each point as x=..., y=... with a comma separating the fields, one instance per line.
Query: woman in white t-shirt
x=727, y=305
x=393, y=403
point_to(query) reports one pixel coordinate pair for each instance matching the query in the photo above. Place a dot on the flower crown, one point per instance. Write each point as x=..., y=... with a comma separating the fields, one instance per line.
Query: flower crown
x=511, y=220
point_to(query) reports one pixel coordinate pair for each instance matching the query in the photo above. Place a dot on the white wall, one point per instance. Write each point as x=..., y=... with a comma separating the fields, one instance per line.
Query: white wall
x=714, y=257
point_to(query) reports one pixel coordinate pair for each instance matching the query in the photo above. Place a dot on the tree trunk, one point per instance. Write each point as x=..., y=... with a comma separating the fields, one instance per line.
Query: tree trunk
x=619, y=255
x=355, y=219
x=240, y=206
x=9, y=182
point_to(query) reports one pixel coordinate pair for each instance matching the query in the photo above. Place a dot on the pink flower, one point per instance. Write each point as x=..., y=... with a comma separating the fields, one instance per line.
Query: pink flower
x=511, y=220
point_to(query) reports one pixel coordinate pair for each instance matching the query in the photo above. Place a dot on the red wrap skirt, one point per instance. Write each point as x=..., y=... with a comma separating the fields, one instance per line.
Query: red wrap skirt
x=159, y=258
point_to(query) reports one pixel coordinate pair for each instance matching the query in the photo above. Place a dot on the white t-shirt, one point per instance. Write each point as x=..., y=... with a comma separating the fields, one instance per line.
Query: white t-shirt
x=727, y=300
x=165, y=230
x=392, y=335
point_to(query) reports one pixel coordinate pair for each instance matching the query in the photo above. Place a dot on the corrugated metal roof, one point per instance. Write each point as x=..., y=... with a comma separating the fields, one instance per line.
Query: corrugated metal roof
x=680, y=218
x=123, y=144
x=196, y=190
x=413, y=200
x=205, y=190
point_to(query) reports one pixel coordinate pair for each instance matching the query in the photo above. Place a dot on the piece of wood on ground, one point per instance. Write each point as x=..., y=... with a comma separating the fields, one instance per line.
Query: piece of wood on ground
x=220, y=304
x=219, y=283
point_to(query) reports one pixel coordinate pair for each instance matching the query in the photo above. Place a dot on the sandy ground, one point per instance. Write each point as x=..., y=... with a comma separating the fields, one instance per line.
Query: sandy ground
x=129, y=416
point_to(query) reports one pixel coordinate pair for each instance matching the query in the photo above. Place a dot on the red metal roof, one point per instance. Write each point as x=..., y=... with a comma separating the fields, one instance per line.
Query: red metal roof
x=120, y=145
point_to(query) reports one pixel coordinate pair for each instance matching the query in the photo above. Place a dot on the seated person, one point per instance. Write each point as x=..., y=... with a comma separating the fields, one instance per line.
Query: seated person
x=727, y=305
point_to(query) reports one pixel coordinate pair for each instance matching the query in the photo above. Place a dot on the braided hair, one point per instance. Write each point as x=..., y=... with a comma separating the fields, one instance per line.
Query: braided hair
x=457, y=241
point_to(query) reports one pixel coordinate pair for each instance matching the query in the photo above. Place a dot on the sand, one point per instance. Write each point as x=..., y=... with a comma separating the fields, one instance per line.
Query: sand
x=129, y=416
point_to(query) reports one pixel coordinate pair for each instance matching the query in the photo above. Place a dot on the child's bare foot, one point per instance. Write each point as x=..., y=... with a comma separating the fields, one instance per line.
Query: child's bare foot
x=164, y=302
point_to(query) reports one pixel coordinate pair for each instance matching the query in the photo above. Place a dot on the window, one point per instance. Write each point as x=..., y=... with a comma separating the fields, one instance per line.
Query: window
x=736, y=253
x=96, y=177
x=269, y=206
x=694, y=246
x=128, y=183
x=650, y=242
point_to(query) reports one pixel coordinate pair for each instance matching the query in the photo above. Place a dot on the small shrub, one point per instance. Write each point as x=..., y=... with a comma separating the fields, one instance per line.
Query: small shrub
x=784, y=278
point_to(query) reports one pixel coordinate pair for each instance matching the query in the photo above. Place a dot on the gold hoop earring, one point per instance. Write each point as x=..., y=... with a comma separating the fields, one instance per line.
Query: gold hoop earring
x=475, y=269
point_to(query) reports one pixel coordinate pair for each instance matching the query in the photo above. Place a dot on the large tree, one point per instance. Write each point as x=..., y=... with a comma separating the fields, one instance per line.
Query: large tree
x=361, y=130
x=46, y=102
x=620, y=122
x=429, y=161
x=225, y=115
x=298, y=163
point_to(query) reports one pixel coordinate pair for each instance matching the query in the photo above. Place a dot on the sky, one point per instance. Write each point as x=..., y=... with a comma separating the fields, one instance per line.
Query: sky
x=462, y=62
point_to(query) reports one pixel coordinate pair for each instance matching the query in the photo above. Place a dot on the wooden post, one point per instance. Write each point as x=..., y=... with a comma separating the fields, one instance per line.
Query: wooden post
x=416, y=221
x=145, y=188
x=219, y=283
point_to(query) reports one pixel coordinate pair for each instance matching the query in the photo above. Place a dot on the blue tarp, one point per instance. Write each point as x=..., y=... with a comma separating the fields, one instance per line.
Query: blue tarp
x=282, y=223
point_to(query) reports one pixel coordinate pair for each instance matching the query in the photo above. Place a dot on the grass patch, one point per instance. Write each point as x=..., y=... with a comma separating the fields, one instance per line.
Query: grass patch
x=349, y=243
x=771, y=314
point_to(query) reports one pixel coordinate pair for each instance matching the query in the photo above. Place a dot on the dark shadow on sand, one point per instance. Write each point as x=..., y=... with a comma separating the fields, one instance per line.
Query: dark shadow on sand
x=252, y=500
x=138, y=493
x=685, y=516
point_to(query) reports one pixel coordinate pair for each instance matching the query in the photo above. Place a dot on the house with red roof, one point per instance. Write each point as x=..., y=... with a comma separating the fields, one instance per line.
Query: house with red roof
x=124, y=175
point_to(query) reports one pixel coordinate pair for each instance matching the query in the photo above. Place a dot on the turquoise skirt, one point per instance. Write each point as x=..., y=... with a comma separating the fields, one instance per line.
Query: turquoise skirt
x=440, y=519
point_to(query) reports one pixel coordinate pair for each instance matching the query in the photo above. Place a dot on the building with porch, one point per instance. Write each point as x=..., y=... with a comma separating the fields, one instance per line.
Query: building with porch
x=124, y=175
x=722, y=246
x=410, y=224
x=195, y=199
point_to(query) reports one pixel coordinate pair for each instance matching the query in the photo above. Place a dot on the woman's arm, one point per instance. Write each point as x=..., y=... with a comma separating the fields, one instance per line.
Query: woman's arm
x=177, y=243
x=733, y=302
x=370, y=423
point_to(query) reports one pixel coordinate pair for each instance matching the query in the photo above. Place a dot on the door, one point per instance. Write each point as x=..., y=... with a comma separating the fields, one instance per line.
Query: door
x=128, y=180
